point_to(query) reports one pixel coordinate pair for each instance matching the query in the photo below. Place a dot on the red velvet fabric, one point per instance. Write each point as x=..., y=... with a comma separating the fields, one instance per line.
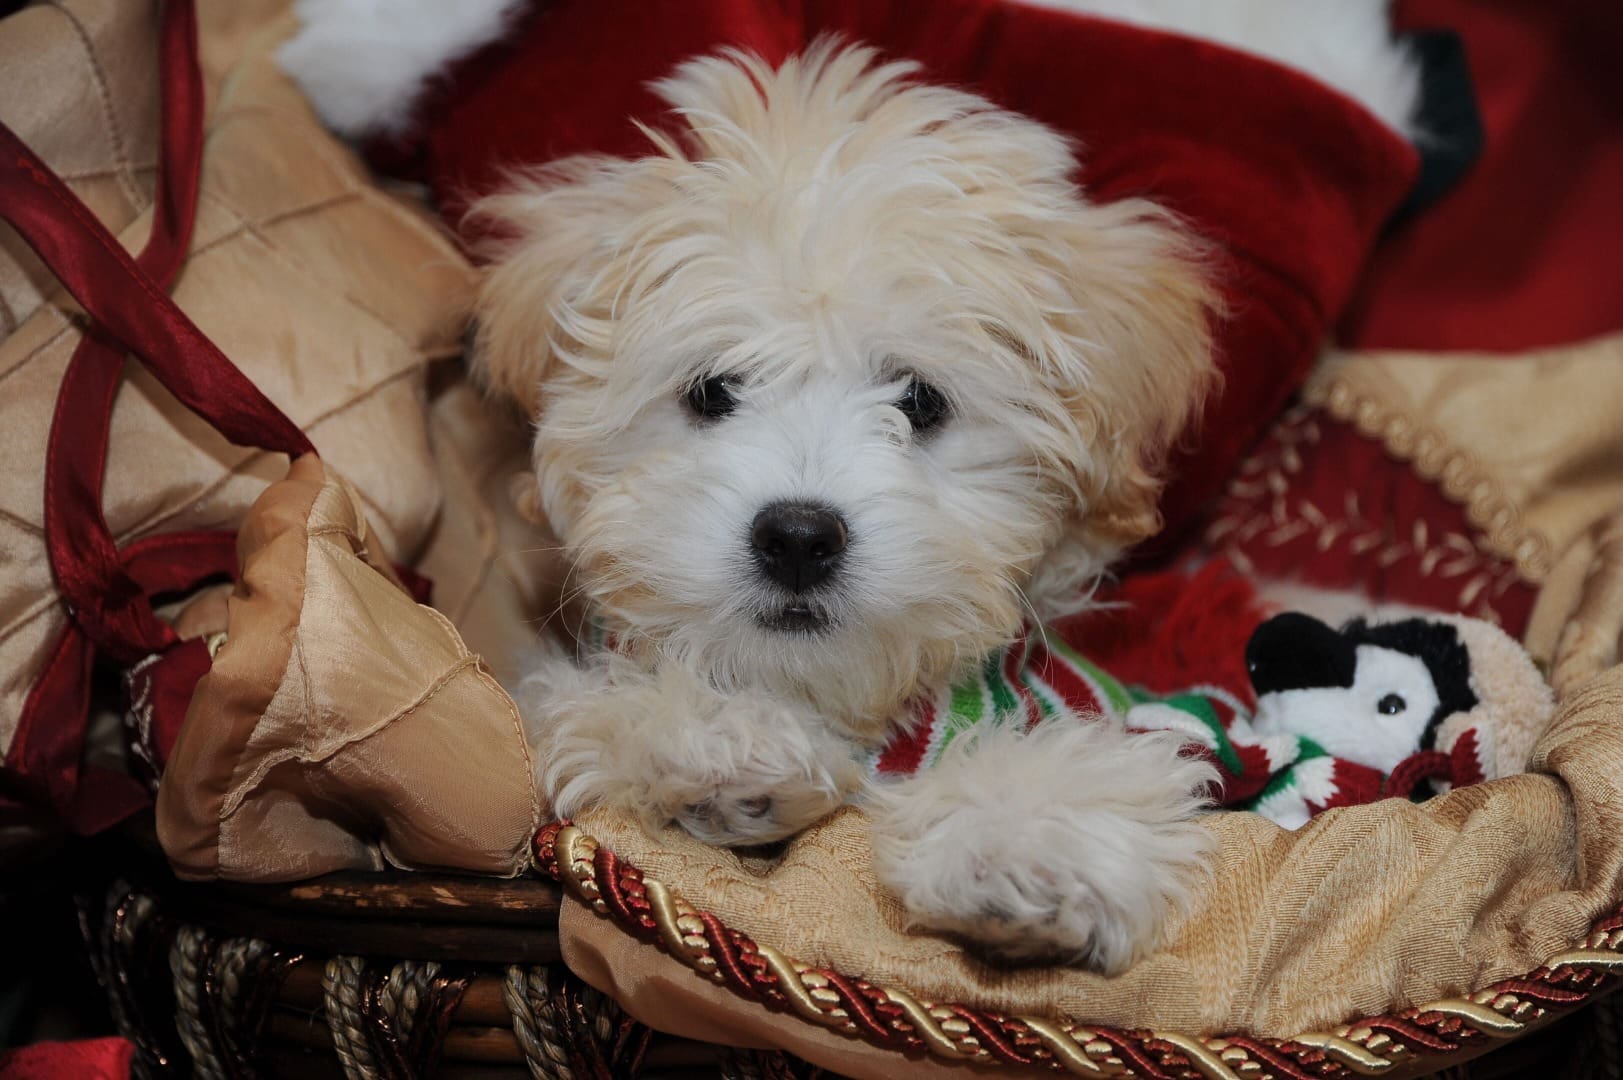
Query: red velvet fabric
x=1525, y=252
x=86, y=1059
x=1291, y=181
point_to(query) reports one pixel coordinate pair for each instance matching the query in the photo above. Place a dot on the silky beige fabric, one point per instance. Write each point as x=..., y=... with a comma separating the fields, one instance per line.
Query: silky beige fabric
x=332, y=296
x=496, y=576
x=78, y=84
x=342, y=725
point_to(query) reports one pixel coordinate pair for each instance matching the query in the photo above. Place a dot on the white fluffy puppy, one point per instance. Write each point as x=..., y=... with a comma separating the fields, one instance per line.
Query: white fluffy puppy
x=833, y=389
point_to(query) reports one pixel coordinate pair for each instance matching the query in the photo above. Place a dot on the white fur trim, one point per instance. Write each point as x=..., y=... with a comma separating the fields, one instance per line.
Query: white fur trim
x=1346, y=44
x=364, y=63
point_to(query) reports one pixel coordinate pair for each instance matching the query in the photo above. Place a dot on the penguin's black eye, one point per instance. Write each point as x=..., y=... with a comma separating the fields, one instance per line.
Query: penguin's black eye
x=712, y=398
x=924, y=406
x=1391, y=705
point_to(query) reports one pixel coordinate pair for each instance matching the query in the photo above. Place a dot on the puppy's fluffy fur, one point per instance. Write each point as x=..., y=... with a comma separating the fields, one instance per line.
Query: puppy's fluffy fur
x=821, y=234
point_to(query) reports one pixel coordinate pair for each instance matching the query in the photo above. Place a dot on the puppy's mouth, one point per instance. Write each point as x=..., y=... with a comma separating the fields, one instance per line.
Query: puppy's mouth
x=796, y=618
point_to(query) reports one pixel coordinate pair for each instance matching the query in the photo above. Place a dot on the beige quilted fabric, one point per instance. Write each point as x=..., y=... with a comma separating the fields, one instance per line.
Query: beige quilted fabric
x=78, y=84
x=332, y=296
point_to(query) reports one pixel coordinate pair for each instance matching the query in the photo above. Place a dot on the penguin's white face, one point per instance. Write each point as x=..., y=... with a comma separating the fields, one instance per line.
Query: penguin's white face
x=1378, y=721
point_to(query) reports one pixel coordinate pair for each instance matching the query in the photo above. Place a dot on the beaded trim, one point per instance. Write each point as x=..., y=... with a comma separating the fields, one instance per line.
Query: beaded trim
x=1481, y=576
x=1437, y=1035
x=1456, y=472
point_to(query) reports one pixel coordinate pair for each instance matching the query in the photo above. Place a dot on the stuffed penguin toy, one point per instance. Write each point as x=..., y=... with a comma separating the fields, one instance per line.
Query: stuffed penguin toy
x=1372, y=695
x=1377, y=710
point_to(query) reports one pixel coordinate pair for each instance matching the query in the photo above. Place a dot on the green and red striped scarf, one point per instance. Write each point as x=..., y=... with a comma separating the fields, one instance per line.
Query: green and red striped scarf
x=1041, y=677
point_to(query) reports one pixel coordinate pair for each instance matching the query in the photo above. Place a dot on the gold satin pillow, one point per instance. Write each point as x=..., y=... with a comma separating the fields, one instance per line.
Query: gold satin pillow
x=332, y=296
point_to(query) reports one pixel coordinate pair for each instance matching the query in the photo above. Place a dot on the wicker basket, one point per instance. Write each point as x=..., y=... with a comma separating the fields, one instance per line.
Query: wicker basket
x=417, y=975
x=388, y=975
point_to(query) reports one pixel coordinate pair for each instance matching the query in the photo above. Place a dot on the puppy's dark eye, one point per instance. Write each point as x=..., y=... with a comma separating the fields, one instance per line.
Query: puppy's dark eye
x=924, y=406
x=712, y=398
x=1391, y=705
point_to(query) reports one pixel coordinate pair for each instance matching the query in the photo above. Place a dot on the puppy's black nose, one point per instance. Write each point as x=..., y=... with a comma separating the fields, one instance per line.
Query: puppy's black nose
x=797, y=545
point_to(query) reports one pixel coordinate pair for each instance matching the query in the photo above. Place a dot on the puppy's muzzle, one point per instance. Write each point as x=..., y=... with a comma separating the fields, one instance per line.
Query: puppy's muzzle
x=798, y=545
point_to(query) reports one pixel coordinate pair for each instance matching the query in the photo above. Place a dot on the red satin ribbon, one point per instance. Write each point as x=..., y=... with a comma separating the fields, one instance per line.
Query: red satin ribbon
x=44, y=767
x=107, y=604
x=108, y=592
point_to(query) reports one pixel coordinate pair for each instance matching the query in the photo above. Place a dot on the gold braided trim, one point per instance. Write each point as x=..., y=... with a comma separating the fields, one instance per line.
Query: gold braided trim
x=1457, y=473
x=1434, y=1035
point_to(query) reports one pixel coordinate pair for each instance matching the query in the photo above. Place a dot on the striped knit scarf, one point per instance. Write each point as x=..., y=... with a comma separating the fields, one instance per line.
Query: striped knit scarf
x=1041, y=677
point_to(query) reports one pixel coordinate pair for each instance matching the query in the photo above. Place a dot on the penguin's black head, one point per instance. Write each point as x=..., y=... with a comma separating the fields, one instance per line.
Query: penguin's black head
x=1367, y=693
x=1298, y=652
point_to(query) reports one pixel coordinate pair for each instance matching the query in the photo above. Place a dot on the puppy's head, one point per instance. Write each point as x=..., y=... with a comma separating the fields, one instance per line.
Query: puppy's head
x=835, y=379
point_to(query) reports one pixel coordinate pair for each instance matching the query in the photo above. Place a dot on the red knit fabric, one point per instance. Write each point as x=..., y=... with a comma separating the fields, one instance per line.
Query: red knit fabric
x=1290, y=180
x=1173, y=628
x=1354, y=785
x=1415, y=770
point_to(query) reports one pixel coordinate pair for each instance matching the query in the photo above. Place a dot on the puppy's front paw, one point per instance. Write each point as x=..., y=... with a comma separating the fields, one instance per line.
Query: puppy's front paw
x=735, y=770
x=752, y=771
x=1072, y=844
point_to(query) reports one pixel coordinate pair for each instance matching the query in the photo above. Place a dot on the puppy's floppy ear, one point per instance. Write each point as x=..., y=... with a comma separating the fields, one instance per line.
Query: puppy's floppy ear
x=1138, y=357
x=550, y=241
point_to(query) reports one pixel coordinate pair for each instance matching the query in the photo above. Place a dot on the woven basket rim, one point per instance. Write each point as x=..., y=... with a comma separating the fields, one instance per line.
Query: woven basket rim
x=1431, y=1036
